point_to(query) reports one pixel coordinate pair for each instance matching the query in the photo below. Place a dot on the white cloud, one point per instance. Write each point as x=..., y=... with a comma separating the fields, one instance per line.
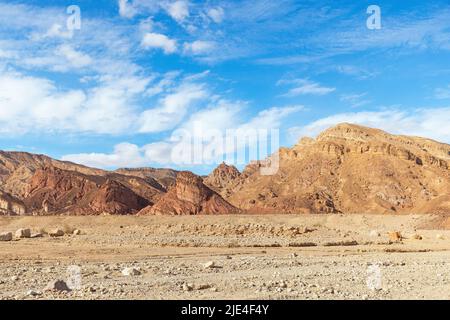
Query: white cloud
x=355, y=100
x=305, y=87
x=75, y=58
x=126, y=9
x=225, y=115
x=178, y=10
x=429, y=123
x=124, y=155
x=172, y=108
x=216, y=14
x=158, y=152
x=159, y=41
x=106, y=109
x=442, y=93
x=199, y=47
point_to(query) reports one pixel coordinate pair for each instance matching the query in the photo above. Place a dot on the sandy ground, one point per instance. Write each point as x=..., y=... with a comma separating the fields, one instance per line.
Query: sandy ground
x=253, y=257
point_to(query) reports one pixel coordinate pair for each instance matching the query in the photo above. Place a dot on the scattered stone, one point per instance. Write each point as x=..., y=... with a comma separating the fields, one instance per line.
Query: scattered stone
x=57, y=285
x=188, y=287
x=33, y=293
x=56, y=233
x=210, y=265
x=395, y=236
x=374, y=234
x=203, y=286
x=23, y=233
x=417, y=237
x=6, y=236
x=36, y=235
x=131, y=271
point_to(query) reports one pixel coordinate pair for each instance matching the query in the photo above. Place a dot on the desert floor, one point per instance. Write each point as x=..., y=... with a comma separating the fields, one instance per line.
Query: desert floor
x=253, y=257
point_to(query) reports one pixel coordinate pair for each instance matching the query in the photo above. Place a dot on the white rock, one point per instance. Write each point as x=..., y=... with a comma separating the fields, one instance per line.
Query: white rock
x=374, y=234
x=209, y=265
x=439, y=237
x=6, y=236
x=37, y=235
x=76, y=232
x=131, y=271
x=33, y=293
x=188, y=287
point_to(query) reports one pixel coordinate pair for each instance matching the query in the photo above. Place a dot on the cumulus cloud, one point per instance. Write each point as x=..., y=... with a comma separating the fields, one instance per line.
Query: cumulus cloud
x=126, y=9
x=172, y=108
x=209, y=127
x=199, y=47
x=124, y=155
x=216, y=14
x=105, y=109
x=429, y=122
x=159, y=41
x=178, y=10
x=73, y=57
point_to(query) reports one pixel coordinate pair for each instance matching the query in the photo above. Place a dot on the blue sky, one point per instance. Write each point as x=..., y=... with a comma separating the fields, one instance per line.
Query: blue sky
x=115, y=92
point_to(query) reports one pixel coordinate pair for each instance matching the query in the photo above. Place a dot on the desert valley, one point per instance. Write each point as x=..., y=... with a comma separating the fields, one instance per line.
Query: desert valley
x=352, y=204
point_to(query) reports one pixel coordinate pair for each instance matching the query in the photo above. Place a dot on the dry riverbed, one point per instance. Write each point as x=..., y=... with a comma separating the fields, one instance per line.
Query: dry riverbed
x=227, y=257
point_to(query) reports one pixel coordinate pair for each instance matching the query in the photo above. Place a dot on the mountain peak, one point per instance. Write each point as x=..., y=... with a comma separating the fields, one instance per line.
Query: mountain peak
x=350, y=131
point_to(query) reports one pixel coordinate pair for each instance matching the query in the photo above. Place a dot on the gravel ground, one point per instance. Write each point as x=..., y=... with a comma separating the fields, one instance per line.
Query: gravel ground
x=226, y=257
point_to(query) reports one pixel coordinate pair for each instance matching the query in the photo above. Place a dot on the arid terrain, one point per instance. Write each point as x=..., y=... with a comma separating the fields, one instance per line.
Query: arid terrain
x=73, y=232
x=229, y=257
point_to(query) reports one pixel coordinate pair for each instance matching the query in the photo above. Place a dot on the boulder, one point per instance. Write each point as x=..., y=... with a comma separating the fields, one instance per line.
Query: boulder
x=131, y=271
x=395, y=236
x=56, y=233
x=23, y=233
x=57, y=285
x=6, y=236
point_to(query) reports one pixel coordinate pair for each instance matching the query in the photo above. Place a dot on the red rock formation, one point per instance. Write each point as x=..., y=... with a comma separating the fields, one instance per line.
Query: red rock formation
x=222, y=177
x=189, y=196
x=115, y=198
x=56, y=191
x=10, y=205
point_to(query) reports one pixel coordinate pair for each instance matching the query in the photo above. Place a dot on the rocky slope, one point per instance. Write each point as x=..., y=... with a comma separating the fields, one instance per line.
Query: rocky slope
x=190, y=196
x=346, y=169
x=37, y=184
x=349, y=169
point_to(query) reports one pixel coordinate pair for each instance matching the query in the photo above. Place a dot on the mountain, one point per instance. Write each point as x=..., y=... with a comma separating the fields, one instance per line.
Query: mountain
x=37, y=184
x=190, y=196
x=346, y=169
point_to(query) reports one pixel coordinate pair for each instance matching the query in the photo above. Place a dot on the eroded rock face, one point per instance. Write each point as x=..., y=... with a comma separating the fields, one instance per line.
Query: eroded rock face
x=190, y=196
x=351, y=169
x=115, y=198
x=10, y=205
x=222, y=177
x=56, y=191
